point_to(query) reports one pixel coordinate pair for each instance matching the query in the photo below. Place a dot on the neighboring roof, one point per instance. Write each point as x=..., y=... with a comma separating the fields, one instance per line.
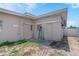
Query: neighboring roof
x=36, y=17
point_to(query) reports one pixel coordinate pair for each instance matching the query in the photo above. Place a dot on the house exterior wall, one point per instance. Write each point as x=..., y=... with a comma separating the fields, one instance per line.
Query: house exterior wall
x=16, y=27
x=25, y=28
x=12, y=27
x=52, y=28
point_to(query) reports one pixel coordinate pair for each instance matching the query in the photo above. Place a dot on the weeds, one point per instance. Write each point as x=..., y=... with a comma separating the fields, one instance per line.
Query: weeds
x=7, y=43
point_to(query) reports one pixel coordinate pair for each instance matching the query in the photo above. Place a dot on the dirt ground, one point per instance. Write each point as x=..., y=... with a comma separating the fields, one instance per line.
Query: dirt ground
x=67, y=47
x=74, y=46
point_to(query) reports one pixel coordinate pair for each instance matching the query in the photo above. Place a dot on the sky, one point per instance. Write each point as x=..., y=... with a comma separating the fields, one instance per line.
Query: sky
x=42, y=8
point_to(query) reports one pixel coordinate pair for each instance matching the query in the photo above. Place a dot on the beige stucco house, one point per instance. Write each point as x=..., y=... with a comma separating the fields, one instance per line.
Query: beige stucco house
x=15, y=26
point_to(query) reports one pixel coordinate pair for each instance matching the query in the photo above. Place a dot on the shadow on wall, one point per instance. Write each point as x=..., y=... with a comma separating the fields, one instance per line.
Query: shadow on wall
x=61, y=45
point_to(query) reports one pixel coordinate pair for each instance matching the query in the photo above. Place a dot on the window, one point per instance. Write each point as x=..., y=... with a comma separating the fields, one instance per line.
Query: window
x=31, y=27
x=1, y=23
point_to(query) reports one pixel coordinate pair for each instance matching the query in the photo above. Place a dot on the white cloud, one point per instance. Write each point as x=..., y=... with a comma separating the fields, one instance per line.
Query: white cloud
x=6, y=5
x=29, y=7
x=24, y=7
x=74, y=5
x=12, y=6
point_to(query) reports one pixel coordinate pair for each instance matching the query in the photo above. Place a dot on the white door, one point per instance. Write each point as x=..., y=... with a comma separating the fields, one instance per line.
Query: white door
x=27, y=32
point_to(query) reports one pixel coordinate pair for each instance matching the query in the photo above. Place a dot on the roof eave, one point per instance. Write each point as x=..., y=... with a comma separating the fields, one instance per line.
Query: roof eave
x=16, y=14
x=52, y=13
x=32, y=16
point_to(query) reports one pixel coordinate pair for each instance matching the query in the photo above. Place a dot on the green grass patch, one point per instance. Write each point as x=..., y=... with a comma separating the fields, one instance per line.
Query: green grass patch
x=18, y=47
x=23, y=43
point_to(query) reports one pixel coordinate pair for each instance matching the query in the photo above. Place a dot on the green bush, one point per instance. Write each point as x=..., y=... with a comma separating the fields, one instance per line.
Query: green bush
x=20, y=41
x=7, y=43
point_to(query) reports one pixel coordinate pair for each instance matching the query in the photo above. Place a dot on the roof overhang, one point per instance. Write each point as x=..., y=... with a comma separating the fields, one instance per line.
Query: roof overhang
x=61, y=12
x=16, y=14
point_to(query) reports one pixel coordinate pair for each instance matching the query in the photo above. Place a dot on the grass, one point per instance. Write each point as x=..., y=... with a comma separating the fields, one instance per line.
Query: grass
x=25, y=48
x=20, y=43
x=20, y=47
x=29, y=48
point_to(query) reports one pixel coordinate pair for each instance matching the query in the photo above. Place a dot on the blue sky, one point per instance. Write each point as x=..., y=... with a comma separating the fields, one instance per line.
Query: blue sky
x=42, y=8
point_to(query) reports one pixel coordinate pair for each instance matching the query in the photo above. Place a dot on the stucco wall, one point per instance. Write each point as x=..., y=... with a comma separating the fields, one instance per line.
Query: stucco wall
x=12, y=27
x=24, y=30
x=52, y=28
x=15, y=27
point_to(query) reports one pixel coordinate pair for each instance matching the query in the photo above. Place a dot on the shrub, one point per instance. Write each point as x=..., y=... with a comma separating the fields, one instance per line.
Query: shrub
x=7, y=43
